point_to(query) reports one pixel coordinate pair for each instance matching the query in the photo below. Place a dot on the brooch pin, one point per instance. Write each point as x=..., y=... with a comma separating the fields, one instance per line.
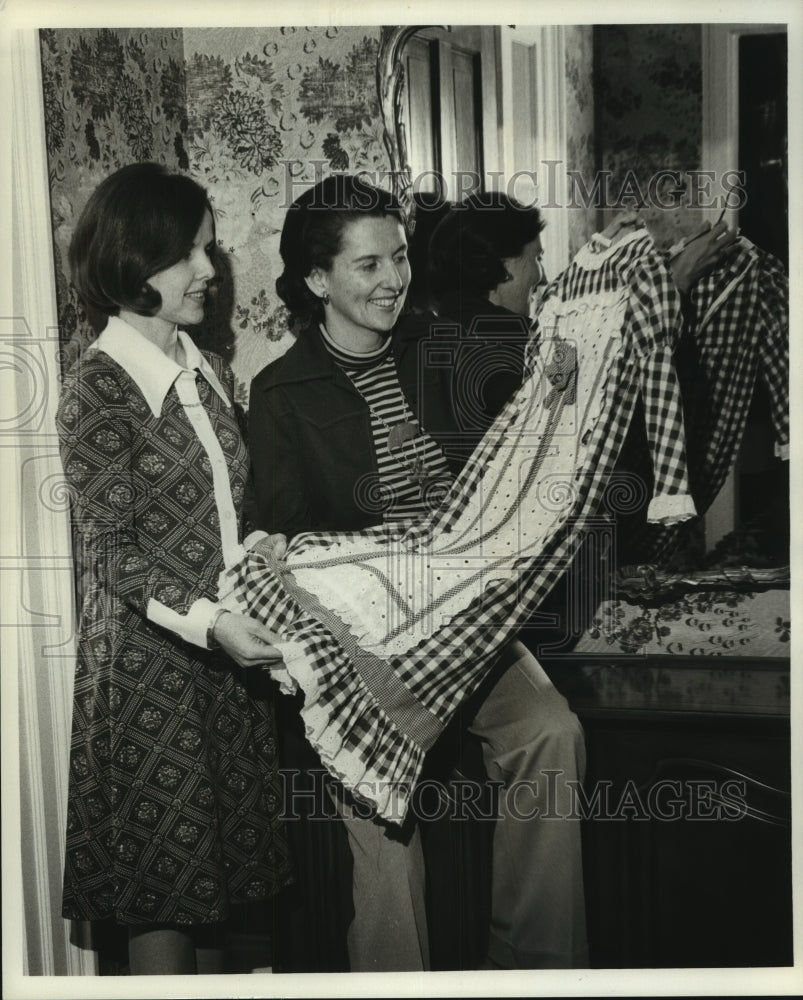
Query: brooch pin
x=400, y=433
x=561, y=372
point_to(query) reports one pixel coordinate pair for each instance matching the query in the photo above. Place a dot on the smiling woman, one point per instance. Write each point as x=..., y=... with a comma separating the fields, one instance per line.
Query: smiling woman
x=357, y=253
x=364, y=289
x=353, y=429
x=346, y=276
x=183, y=286
x=172, y=764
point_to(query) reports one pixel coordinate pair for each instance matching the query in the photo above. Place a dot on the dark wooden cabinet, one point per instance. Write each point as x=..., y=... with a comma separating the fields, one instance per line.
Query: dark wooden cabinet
x=687, y=841
x=687, y=845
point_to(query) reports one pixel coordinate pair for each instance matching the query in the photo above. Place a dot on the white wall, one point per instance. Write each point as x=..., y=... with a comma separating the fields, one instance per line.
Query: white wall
x=37, y=613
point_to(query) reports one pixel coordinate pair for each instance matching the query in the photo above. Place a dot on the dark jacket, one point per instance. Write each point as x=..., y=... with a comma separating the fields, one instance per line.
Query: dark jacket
x=310, y=430
x=490, y=362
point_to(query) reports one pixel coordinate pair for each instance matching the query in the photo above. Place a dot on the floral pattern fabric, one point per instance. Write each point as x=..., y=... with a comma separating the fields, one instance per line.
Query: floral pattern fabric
x=698, y=623
x=173, y=781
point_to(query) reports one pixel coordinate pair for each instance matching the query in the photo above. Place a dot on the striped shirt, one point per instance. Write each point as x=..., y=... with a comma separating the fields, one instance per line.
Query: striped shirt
x=396, y=492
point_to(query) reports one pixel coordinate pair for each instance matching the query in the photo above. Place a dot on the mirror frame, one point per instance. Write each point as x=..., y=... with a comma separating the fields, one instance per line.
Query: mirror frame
x=390, y=85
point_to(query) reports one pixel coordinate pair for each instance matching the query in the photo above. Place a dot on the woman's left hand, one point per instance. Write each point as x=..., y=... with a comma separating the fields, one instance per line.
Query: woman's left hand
x=707, y=249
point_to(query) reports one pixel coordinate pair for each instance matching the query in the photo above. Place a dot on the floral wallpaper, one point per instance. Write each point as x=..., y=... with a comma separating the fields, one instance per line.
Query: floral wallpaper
x=648, y=92
x=271, y=111
x=96, y=85
x=579, y=40
x=255, y=115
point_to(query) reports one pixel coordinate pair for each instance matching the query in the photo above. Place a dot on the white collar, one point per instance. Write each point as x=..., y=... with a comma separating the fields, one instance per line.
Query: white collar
x=151, y=369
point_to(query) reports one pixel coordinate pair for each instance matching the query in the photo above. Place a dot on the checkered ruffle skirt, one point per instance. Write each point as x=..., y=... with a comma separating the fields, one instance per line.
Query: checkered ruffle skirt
x=386, y=631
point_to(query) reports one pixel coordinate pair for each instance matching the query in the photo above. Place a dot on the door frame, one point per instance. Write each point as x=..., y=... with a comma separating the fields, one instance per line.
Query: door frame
x=547, y=106
x=720, y=104
x=720, y=153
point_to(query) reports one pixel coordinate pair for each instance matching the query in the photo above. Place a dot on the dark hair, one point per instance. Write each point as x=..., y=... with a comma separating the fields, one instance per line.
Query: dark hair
x=428, y=211
x=139, y=221
x=312, y=234
x=469, y=246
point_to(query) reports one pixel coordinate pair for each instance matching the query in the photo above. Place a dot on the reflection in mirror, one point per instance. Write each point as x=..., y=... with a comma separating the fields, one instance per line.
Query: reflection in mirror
x=454, y=104
x=439, y=94
x=496, y=108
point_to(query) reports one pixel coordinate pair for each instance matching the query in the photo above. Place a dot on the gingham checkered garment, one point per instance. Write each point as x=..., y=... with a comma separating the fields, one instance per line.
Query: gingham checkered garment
x=737, y=330
x=386, y=631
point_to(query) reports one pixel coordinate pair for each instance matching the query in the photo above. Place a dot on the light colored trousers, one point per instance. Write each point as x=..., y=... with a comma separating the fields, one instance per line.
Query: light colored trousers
x=533, y=743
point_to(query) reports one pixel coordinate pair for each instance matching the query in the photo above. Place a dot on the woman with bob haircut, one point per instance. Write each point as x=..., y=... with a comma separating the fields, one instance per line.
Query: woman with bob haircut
x=173, y=783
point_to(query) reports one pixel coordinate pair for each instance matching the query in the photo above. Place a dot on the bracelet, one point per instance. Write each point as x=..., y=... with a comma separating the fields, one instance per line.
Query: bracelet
x=211, y=641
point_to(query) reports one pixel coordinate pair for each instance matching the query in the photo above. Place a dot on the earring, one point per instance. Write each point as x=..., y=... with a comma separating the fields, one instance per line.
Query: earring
x=325, y=298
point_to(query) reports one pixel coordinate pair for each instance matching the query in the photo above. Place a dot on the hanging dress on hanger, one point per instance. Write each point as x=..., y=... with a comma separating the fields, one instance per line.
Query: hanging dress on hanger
x=737, y=331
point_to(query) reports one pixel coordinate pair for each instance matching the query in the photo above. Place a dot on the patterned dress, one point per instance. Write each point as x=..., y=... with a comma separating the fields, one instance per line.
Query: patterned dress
x=173, y=784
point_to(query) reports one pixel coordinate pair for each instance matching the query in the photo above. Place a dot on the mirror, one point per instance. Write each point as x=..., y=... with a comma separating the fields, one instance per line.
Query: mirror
x=740, y=545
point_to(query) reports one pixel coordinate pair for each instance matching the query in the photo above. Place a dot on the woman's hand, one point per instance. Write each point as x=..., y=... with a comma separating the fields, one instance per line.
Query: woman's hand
x=274, y=547
x=248, y=642
x=706, y=250
x=278, y=543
